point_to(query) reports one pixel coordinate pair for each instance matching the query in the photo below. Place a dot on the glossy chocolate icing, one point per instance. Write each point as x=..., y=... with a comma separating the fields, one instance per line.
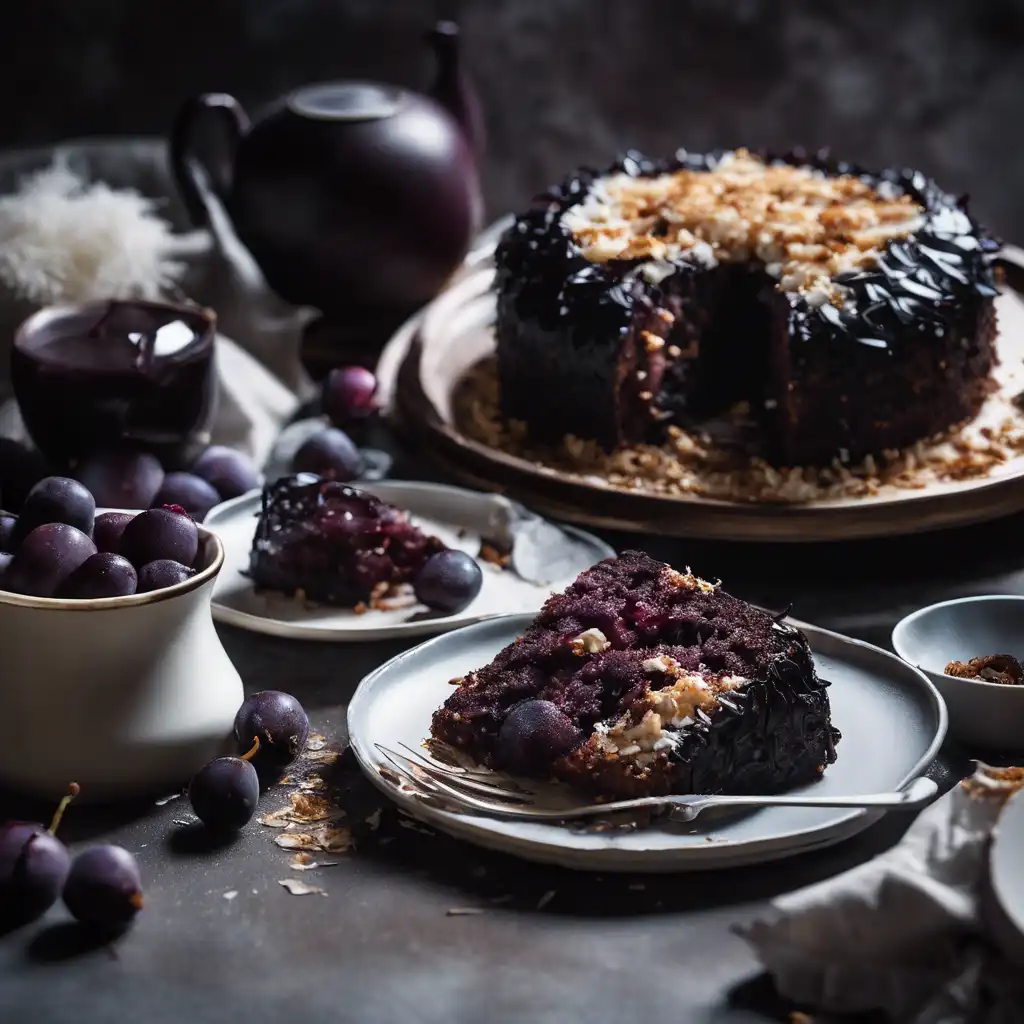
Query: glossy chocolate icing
x=580, y=325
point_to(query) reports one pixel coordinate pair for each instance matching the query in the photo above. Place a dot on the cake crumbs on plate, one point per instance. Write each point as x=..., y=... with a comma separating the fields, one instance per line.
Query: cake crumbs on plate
x=689, y=463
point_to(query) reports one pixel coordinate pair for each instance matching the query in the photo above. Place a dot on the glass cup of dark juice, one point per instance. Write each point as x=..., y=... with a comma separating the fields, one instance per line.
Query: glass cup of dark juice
x=118, y=374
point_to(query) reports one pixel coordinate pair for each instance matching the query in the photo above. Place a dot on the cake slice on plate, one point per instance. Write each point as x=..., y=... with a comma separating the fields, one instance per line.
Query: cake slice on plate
x=333, y=543
x=640, y=680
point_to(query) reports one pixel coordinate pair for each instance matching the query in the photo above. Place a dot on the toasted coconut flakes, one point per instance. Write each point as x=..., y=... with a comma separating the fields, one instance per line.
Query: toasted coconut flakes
x=691, y=464
x=327, y=756
x=299, y=888
x=327, y=839
x=297, y=841
x=335, y=840
x=231, y=894
x=464, y=911
x=313, y=784
x=316, y=741
x=281, y=818
x=304, y=862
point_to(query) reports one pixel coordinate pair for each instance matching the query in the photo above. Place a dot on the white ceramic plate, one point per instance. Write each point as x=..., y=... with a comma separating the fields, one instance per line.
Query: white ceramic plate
x=446, y=512
x=891, y=717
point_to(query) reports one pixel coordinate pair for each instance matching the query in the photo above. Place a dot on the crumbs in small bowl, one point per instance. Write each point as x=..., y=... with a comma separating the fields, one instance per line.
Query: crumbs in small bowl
x=989, y=668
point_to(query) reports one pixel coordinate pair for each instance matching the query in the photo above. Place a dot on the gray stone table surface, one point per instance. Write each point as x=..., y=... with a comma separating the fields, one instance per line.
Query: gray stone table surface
x=381, y=946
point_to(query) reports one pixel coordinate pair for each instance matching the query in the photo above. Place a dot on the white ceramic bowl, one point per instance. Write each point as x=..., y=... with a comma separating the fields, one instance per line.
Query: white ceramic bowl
x=988, y=716
x=123, y=695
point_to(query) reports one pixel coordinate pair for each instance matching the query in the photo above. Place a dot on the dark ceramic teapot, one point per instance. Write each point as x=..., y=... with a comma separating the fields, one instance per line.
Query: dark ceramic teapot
x=350, y=195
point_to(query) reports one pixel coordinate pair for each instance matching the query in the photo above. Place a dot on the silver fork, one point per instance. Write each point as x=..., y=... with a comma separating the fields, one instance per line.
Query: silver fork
x=464, y=791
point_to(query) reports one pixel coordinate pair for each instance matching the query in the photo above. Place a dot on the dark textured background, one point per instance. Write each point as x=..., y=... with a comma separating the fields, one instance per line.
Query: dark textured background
x=936, y=84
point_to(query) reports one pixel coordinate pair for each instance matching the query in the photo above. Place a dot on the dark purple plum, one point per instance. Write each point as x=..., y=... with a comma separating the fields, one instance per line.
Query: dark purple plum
x=122, y=479
x=104, y=888
x=188, y=491
x=162, y=573
x=228, y=471
x=349, y=394
x=329, y=453
x=534, y=734
x=101, y=575
x=448, y=581
x=280, y=724
x=56, y=499
x=107, y=530
x=160, y=533
x=225, y=793
x=7, y=527
x=46, y=558
x=21, y=468
x=34, y=865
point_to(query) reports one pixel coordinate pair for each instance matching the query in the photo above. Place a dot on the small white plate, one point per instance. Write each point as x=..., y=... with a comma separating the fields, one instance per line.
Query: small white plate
x=452, y=514
x=891, y=717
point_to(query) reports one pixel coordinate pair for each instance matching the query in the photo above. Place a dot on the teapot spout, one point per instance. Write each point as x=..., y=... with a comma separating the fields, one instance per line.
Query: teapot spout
x=452, y=86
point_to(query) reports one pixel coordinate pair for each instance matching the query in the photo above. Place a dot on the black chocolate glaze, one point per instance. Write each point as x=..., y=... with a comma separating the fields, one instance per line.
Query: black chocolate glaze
x=772, y=734
x=924, y=278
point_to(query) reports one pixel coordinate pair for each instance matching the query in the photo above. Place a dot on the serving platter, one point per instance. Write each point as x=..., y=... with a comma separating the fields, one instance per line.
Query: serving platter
x=421, y=368
x=460, y=518
x=891, y=717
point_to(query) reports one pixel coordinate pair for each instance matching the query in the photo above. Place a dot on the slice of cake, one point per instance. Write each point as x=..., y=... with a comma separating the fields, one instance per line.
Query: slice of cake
x=334, y=543
x=639, y=680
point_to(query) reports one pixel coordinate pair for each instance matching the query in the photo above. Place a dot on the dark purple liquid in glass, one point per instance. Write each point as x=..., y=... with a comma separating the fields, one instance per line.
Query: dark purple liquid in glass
x=116, y=374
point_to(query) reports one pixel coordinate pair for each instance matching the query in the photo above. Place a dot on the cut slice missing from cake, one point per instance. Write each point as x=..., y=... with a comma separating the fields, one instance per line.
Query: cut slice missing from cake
x=333, y=543
x=640, y=680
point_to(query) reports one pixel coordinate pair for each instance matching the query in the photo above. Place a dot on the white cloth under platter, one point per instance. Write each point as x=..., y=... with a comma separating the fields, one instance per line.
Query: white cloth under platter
x=911, y=932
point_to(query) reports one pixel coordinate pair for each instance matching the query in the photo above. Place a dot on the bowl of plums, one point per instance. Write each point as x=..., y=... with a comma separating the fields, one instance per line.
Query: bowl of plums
x=113, y=671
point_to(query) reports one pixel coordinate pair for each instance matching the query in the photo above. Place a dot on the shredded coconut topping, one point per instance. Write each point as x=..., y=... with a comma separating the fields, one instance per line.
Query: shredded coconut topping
x=590, y=641
x=672, y=707
x=805, y=226
x=688, y=580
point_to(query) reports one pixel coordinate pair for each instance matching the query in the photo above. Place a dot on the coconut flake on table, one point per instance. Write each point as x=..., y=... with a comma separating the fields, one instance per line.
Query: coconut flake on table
x=65, y=240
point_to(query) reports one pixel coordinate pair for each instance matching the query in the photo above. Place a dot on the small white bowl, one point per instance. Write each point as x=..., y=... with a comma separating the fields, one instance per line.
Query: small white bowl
x=982, y=715
x=124, y=695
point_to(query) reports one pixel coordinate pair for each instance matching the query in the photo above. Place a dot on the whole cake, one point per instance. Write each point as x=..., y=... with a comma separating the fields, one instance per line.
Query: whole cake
x=852, y=311
x=639, y=679
x=333, y=543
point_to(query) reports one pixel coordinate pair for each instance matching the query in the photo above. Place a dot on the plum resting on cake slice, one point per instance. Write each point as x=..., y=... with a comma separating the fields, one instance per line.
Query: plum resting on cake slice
x=334, y=543
x=639, y=680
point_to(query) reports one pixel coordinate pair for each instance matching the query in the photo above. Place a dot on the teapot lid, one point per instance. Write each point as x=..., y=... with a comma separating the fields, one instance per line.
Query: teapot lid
x=346, y=101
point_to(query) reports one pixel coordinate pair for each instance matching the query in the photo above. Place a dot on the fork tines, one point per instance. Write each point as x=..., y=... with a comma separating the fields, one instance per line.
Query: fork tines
x=429, y=774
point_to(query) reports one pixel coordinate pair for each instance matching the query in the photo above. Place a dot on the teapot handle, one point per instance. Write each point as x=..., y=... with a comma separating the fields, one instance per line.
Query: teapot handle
x=192, y=175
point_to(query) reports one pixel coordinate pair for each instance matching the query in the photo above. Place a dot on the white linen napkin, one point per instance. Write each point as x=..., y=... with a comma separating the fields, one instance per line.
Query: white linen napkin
x=907, y=933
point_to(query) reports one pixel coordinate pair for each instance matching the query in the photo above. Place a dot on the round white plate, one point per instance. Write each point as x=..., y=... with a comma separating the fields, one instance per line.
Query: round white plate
x=891, y=717
x=446, y=512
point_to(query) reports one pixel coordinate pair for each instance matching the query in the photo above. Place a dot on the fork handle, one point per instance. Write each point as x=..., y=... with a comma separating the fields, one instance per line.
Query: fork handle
x=916, y=794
